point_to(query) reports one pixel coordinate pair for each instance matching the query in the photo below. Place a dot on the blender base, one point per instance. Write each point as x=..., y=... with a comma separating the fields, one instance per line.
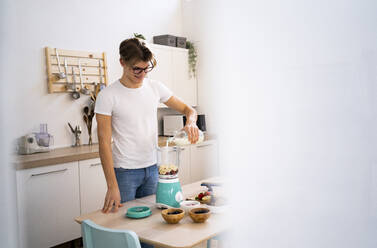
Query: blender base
x=169, y=193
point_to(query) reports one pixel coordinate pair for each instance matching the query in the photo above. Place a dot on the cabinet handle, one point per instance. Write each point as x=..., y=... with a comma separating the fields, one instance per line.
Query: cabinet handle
x=204, y=145
x=95, y=164
x=182, y=149
x=50, y=172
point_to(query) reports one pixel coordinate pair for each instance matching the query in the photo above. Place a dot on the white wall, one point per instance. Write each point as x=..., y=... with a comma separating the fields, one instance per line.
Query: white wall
x=29, y=26
x=8, y=206
x=198, y=24
x=295, y=110
x=75, y=25
x=293, y=85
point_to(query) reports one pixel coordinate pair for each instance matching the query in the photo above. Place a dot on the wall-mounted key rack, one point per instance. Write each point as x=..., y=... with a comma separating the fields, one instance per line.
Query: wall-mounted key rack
x=63, y=64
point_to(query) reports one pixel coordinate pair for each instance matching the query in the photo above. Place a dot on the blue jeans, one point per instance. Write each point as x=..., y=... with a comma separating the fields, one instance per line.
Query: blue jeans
x=137, y=183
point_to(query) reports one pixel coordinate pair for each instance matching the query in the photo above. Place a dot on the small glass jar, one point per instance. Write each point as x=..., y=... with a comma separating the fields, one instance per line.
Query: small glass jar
x=181, y=138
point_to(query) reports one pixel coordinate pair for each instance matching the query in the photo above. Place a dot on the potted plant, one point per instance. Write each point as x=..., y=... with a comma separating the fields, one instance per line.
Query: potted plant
x=139, y=36
x=192, y=58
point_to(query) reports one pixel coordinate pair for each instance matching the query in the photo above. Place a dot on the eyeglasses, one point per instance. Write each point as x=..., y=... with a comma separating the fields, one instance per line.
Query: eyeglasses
x=138, y=70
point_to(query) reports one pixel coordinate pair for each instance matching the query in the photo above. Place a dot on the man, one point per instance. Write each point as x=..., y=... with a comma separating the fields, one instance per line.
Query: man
x=127, y=112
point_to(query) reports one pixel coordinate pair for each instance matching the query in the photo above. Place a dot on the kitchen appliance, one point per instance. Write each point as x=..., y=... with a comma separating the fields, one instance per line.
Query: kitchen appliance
x=201, y=123
x=35, y=142
x=169, y=191
x=172, y=124
x=28, y=144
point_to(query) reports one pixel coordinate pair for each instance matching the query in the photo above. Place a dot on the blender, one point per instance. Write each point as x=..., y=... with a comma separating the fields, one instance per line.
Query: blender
x=36, y=142
x=169, y=191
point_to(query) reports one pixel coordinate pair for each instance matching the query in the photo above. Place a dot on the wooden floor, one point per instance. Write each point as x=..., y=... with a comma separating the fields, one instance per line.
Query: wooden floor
x=77, y=243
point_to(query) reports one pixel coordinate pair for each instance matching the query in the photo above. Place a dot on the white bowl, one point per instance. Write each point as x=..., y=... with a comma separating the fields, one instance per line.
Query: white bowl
x=188, y=205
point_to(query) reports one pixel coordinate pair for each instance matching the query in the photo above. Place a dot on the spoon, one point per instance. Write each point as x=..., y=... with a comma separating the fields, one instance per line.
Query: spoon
x=61, y=74
x=75, y=93
x=96, y=89
x=86, y=120
x=83, y=89
x=102, y=85
x=87, y=115
x=86, y=110
x=92, y=96
x=68, y=86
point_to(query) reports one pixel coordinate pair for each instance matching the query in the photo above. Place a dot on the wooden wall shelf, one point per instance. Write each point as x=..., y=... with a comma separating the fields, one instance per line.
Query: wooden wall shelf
x=94, y=70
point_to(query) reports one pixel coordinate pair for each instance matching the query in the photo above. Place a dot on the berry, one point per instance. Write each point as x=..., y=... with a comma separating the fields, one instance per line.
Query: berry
x=200, y=196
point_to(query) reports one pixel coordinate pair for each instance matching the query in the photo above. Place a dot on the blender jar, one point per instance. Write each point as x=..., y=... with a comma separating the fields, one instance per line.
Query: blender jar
x=168, y=162
x=43, y=137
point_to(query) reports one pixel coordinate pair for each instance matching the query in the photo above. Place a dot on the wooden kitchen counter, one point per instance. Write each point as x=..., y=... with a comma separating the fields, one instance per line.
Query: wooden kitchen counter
x=56, y=156
x=66, y=155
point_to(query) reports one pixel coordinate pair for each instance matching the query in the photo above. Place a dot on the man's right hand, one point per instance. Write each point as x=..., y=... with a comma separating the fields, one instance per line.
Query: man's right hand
x=112, y=199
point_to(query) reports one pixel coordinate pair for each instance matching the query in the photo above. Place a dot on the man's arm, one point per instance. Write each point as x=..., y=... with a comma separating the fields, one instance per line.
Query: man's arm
x=104, y=139
x=191, y=116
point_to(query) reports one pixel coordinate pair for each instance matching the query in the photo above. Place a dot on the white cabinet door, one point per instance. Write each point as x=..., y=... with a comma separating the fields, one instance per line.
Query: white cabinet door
x=163, y=70
x=173, y=70
x=204, y=161
x=184, y=86
x=184, y=165
x=48, y=202
x=92, y=185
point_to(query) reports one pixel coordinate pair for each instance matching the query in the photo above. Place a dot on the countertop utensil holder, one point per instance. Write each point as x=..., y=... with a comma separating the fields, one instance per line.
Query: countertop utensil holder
x=77, y=132
x=88, y=117
x=94, y=69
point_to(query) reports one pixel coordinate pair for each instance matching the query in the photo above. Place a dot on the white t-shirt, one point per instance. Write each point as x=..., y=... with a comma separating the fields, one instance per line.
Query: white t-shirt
x=134, y=121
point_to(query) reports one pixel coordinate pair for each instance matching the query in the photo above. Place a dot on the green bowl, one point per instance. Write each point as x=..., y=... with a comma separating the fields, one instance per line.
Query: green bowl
x=138, y=212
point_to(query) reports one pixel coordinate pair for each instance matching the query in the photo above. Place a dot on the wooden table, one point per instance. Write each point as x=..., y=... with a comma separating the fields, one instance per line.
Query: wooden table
x=154, y=230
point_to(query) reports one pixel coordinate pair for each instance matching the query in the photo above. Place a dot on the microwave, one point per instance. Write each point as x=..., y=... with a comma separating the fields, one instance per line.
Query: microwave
x=173, y=123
